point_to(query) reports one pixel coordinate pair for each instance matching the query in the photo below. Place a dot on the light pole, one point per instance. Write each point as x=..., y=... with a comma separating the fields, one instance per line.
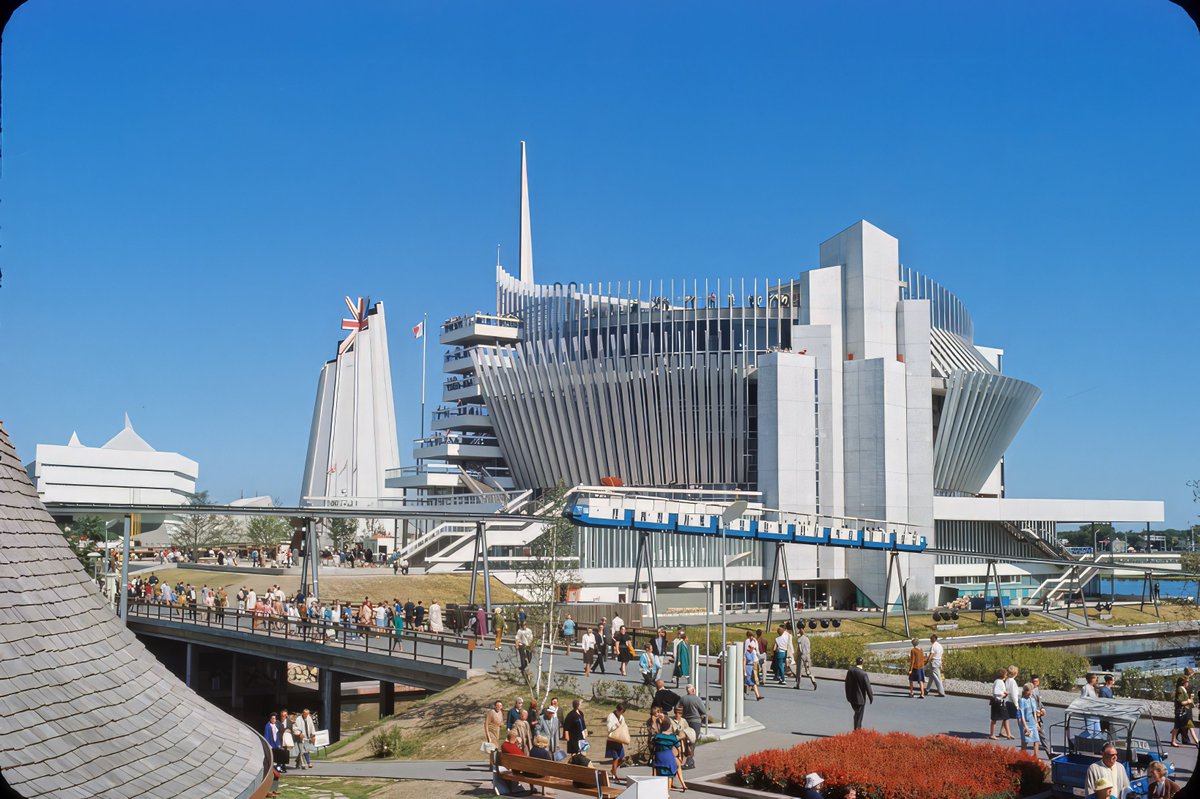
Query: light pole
x=734, y=511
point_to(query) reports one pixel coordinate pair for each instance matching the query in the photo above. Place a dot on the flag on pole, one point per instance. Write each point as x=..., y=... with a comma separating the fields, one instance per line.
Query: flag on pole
x=419, y=330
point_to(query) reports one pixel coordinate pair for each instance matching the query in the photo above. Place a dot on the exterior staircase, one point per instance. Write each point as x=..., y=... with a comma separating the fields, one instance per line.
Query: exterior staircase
x=457, y=529
x=1056, y=588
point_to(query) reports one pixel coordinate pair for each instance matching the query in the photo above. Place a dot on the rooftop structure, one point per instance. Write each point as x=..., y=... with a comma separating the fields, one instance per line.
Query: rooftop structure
x=88, y=712
x=352, y=441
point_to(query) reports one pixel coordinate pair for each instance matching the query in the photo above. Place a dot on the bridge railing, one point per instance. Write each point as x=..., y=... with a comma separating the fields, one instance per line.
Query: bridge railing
x=445, y=649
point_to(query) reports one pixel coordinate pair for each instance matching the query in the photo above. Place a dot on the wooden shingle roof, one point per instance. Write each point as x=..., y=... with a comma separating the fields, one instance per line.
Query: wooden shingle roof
x=85, y=711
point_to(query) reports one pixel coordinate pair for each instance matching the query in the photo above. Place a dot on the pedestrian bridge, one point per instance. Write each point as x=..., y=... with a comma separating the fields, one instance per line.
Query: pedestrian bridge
x=423, y=660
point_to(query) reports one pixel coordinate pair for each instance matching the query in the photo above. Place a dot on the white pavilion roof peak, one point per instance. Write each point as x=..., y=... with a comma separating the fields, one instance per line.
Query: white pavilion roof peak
x=526, y=238
x=74, y=442
x=127, y=439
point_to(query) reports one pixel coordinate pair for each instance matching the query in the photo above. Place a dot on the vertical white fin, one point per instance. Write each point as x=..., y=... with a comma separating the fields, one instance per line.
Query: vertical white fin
x=526, y=241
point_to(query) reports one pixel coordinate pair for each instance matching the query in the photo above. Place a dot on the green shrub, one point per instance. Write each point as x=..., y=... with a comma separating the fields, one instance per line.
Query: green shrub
x=390, y=743
x=633, y=695
x=1136, y=684
x=836, y=652
x=1059, y=670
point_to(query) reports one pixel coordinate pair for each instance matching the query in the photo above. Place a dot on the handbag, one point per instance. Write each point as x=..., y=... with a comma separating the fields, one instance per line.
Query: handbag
x=620, y=734
x=288, y=741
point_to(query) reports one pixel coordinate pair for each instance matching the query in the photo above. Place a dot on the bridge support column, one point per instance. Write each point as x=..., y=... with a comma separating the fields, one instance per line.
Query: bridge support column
x=235, y=683
x=781, y=558
x=192, y=666
x=893, y=566
x=387, y=699
x=481, y=554
x=331, y=703
x=645, y=554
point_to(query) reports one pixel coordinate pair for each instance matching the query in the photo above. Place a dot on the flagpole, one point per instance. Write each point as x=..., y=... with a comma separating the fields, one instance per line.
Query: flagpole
x=424, y=347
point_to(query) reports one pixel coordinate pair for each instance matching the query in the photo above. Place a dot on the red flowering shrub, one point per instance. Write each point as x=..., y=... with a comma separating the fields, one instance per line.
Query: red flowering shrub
x=896, y=765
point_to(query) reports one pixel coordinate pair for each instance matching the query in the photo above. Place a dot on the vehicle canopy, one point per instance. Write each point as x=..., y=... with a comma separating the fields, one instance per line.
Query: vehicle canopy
x=1129, y=711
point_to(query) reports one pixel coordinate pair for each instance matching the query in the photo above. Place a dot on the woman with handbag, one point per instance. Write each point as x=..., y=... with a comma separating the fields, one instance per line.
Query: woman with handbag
x=618, y=737
x=623, y=643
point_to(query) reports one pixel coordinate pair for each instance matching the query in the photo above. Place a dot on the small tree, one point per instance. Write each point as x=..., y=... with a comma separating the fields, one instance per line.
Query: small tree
x=545, y=576
x=342, y=532
x=199, y=532
x=268, y=532
x=82, y=535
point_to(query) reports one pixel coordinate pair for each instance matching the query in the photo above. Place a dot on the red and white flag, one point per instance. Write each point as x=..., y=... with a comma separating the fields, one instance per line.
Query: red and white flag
x=419, y=330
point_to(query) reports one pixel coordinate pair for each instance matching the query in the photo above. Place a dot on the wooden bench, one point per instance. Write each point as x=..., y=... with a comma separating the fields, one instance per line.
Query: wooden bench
x=552, y=774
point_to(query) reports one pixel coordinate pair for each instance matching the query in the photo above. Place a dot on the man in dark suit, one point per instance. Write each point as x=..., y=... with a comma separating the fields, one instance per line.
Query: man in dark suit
x=858, y=691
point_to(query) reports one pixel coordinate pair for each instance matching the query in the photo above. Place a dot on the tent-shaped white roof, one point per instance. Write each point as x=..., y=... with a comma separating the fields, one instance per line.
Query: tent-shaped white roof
x=128, y=439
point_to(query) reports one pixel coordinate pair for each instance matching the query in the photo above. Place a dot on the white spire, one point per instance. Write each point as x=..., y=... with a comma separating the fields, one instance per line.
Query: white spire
x=526, y=241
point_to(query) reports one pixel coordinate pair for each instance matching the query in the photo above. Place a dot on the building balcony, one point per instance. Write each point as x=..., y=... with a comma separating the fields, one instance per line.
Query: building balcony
x=459, y=361
x=480, y=328
x=461, y=389
x=445, y=476
x=458, y=447
x=462, y=417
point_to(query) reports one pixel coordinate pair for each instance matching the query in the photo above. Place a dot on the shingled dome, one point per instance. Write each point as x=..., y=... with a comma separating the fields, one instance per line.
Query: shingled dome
x=85, y=711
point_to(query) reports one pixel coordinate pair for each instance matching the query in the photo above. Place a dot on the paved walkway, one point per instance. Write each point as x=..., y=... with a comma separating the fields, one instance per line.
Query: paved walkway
x=793, y=716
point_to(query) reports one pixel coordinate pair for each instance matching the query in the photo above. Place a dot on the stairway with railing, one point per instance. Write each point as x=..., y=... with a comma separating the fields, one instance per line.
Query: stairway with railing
x=1054, y=588
x=1036, y=541
x=510, y=531
x=458, y=530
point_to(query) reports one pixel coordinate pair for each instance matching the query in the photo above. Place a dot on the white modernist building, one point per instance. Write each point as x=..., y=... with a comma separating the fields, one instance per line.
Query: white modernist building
x=853, y=390
x=352, y=440
x=124, y=470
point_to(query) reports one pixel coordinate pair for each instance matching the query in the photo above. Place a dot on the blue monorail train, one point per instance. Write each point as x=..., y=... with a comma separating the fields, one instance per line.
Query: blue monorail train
x=598, y=513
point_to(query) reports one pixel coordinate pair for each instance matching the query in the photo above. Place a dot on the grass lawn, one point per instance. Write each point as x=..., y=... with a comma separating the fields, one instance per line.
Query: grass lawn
x=328, y=787
x=305, y=787
x=870, y=630
x=1129, y=614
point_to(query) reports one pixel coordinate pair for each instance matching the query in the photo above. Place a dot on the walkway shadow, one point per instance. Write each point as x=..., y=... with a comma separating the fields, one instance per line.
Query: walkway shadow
x=973, y=735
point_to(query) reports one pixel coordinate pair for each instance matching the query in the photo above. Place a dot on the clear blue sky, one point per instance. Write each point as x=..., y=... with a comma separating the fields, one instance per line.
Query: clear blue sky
x=190, y=188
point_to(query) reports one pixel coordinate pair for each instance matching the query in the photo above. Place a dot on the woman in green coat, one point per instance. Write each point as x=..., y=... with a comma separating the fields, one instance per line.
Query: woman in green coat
x=683, y=658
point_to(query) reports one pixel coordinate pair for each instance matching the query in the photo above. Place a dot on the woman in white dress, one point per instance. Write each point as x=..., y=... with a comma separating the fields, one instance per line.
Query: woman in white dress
x=435, y=618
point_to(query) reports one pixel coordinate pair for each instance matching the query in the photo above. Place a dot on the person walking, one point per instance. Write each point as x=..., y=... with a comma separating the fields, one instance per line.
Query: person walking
x=694, y=712
x=550, y=727
x=623, y=646
x=1183, y=727
x=498, y=627
x=575, y=727
x=274, y=741
x=647, y=665
x=568, y=633
x=480, y=624
x=524, y=642
x=858, y=691
x=1036, y=682
x=618, y=737
x=602, y=645
x=514, y=713
x=804, y=659
x=493, y=723
x=933, y=666
x=304, y=729
x=916, y=668
x=782, y=649
x=999, y=697
x=1010, y=701
x=436, y=625
x=750, y=670
x=1028, y=719
x=587, y=643
x=683, y=658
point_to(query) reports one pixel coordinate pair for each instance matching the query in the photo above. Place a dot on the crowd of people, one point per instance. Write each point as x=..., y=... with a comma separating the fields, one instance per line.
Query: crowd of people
x=666, y=742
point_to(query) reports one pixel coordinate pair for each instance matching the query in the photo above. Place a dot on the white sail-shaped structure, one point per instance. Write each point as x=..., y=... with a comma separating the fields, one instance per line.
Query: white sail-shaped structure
x=353, y=436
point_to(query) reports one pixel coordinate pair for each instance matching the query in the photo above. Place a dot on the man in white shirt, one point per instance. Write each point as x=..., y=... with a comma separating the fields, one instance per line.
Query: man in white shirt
x=934, y=666
x=524, y=644
x=1109, y=769
x=783, y=647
